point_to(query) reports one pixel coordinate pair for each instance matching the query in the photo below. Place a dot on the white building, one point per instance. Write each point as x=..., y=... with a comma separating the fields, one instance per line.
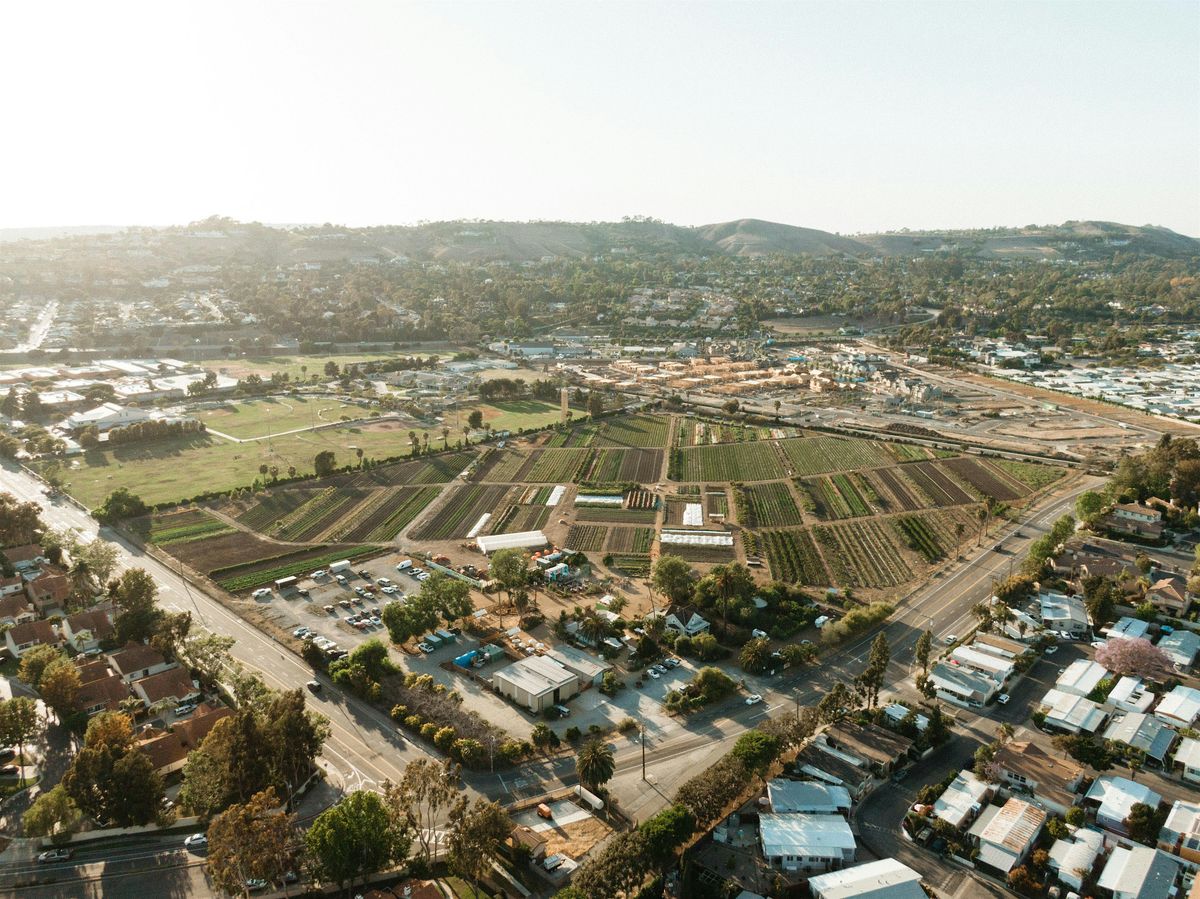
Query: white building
x=1139, y=873
x=995, y=667
x=965, y=688
x=1114, y=797
x=807, y=797
x=521, y=540
x=799, y=842
x=1180, y=707
x=1071, y=713
x=1063, y=613
x=105, y=417
x=963, y=800
x=1129, y=694
x=884, y=879
x=1081, y=677
x=1145, y=732
x=1007, y=833
x=537, y=683
x=1077, y=853
x=1187, y=759
x=1181, y=647
x=1128, y=629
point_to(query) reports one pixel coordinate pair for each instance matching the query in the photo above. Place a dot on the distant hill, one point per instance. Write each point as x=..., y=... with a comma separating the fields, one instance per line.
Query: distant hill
x=7, y=235
x=754, y=237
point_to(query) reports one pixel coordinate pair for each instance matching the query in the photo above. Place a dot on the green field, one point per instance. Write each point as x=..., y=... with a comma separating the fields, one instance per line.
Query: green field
x=258, y=418
x=514, y=415
x=298, y=368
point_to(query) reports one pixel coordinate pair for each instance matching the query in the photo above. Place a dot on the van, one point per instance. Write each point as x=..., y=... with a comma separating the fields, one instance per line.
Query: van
x=563, y=711
x=821, y=622
x=341, y=579
x=405, y=565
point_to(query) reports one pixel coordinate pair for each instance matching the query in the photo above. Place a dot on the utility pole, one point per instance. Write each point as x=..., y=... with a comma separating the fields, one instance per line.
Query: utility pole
x=643, y=750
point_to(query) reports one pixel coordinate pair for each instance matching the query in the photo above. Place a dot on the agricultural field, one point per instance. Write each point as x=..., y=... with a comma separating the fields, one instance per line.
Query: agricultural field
x=818, y=455
x=630, y=540
x=439, y=469
x=919, y=536
x=454, y=518
x=726, y=462
x=716, y=502
x=517, y=518
x=309, y=521
x=766, y=505
x=389, y=512
x=632, y=564
x=587, y=538
x=705, y=432
x=939, y=487
x=836, y=497
x=615, y=514
x=863, y=554
x=907, y=452
x=791, y=555
x=247, y=576
x=555, y=466
x=986, y=480
x=584, y=435
x=1035, y=477
x=640, y=499
x=895, y=491
x=622, y=466
x=636, y=431
x=222, y=550
x=182, y=527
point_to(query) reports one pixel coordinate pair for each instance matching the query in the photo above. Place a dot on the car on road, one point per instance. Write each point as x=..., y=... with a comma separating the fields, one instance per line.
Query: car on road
x=196, y=841
x=54, y=855
x=753, y=699
x=950, y=639
x=1051, y=650
x=424, y=647
x=364, y=574
x=314, y=686
x=1003, y=699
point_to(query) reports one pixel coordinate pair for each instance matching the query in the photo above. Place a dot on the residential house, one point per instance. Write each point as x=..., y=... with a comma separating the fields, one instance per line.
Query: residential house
x=170, y=687
x=1113, y=797
x=1187, y=759
x=1066, y=614
x=15, y=609
x=536, y=682
x=11, y=585
x=91, y=669
x=86, y=630
x=1181, y=647
x=1139, y=873
x=1169, y=594
x=533, y=841
x=1048, y=781
x=1129, y=694
x=102, y=694
x=586, y=667
x=1081, y=677
x=169, y=750
x=999, y=646
x=25, y=557
x=964, y=688
x=1179, y=708
x=137, y=660
x=1006, y=834
x=877, y=747
x=1073, y=858
x=1135, y=519
x=1181, y=832
x=883, y=879
x=963, y=800
x=195, y=728
x=818, y=762
x=687, y=621
x=1144, y=732
x=806, y=843
x=49, y=592
x=23, y=637
x=800, y=796
x=896, y=713
x=1128, y=629
x=997, y=668
x=1072, y=713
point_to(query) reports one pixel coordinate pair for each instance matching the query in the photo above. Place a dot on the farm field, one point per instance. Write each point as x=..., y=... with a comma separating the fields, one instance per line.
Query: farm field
x=863, y=554
x=460, y=512
x=226, y=549
x=632, y=564
x=555, y=466
x=517, y=518
x=986, y=480
x=766, y=505
x=637, y=431
x=939, y=486
x=630, y=540
x=617, y=466
x=791, y=555
x=586, y=538
x=817, y=455
x=726, y=462
x=247, y=576
x=1032, y=476
x=836, y=497
x=388, y=512
x=183, y=527
x=616, y=514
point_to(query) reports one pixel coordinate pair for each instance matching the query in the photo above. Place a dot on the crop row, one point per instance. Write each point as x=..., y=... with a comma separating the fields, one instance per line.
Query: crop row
x=817, y=455
x=632, y=564
x=726, y=462
x=587, y=538
x=641, y=499
x=616, y=514
x=400, y=508
x=941, y=489
x=916, y=532
x=1030, y=474
x=907, y=452
x=460, y=512
x=902, y=491
x=437, y=469
x=987, y=480
x=207, y=526
x=623, y=465
x=521, y=518
x=630, y=540
x=312, y=516
x=247, y=575
x=863, y=555
x=634, y=431
x=271, y=507
x=557, y=466
x=769, y=505
x=792, y=556
x=836, y=497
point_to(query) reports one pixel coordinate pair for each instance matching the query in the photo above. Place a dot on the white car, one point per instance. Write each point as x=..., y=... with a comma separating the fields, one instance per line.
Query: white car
x=424, y=647
x=654, y=674
x=390, y=590
x=301, y=632
x=758, y=634
x=318, y=574
x=1003, y=699
x=424, y=576
x=753, y=699
x=1098, y=644
x=1051, y=650
x=261, y=592
x=950, y=639
x=196, y=841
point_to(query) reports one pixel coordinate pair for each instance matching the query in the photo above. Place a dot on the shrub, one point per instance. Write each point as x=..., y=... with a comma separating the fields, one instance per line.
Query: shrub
x=399, y=713
x=428, y=729
x=572, y=733
x=413, y=722
x=444, y=738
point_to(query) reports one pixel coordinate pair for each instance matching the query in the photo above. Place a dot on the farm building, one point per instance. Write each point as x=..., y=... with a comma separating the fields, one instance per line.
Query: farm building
x=537, y=683
x=489, y=543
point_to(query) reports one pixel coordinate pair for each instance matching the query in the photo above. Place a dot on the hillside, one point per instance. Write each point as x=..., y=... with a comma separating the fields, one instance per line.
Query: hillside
x=754, y=237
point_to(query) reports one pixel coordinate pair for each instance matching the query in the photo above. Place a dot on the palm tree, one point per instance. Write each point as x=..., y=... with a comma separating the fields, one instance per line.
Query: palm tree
x=445, y=437
x=80, y=574
x=593, y=627
x=723, y=580
x=359, y=452
x=595, y=764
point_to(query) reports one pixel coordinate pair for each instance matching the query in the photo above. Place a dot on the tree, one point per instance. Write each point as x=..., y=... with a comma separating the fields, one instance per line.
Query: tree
x=1145, y=822
x=324, y=463
x=52, y=814
x=1139, y=658
x=20, y=724
x=134, y=594
x=619, y=870
x=475, y=419
x=731, y=580
x=60, y=685
x=595, y=764
x=834, y=704
x=206, y=653
x=294, y=736
x=595, y=404
x=544, y=738
x=667, y=831
x=425, y=791
x=1088, y=506
x=250, y=841
x=923, y=648
x=120, y=505
x=1087, y=749
x=871, y=680
x=35, y=661
x=756, y=751
x=1100, y=596
x=231, y=764
x=110, y=778
x=755, y=655
x=20, y=523
x=509, y=569
x=407, y=619
x=1076, y=816
x=355, y=838
x=672, y=577
x=100, y=556
x=449, y=596
x=477, y=832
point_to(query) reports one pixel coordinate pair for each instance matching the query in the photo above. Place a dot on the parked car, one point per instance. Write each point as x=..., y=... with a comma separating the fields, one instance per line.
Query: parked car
x=759, y=634
x=196, y=841
x=1003, y=699
x=329, y=609
x=261, y=592
x=7, y=755
x=424, y=647
x=1051, y=650
x=753, y=699
x=391, y=591
x=653, y=673
x=301, y=632
x=318, y=574
x=314, y=686
x=364, y=574
x=255, y=885
x=54, y=855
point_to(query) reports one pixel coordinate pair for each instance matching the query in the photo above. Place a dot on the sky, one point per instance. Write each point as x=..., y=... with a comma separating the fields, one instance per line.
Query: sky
x=849, y=117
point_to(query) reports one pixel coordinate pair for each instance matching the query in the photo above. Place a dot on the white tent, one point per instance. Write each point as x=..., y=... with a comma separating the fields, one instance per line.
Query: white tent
x=523, y=540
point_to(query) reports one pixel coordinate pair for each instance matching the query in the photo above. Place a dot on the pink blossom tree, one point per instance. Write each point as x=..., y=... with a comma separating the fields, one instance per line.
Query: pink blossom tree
x=1139, y=658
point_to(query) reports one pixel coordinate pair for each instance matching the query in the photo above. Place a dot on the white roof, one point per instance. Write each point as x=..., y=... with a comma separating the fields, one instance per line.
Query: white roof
x=1081, y=677
x=1129, y=628
x=697, y=538
x=1140, y=871
x=1058, y=607
x=536, y=675
x=884, y=879
x=814, y=836
x=964, y=797
x=1180, y=705
x=520, y=540
x=1077, y=854
x=1181, y=646
x=693, y=514
x=996, y=667
x=1072, y=712
x=1130, y=695
x=897, y=713
x=1117, y=795
x=1188, y=753
x=804, y=796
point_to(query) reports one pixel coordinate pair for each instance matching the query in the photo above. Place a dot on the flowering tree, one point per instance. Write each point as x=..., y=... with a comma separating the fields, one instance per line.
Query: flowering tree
x=1138, y=657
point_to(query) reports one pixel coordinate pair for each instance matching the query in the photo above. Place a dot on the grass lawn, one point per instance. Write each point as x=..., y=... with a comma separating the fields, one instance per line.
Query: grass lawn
x=265, y=365
x=516, y=414
x=462, y=890
x=257, y=418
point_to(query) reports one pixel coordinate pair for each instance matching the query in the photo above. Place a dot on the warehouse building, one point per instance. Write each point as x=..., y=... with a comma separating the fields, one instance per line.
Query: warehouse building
x=537, y=683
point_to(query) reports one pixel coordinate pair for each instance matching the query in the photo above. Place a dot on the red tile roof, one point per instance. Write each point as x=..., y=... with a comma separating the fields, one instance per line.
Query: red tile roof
x=95, y=620
x=192, y=731
x=91, y=670
x=14, y=605
x=136, y=657
x=164, y=750
x=26, y=553
x=34, y=632
x=174, y=683
x=109, y=690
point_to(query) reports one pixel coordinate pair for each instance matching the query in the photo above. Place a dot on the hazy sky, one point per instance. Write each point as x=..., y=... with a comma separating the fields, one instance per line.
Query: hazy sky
x=842, y=116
